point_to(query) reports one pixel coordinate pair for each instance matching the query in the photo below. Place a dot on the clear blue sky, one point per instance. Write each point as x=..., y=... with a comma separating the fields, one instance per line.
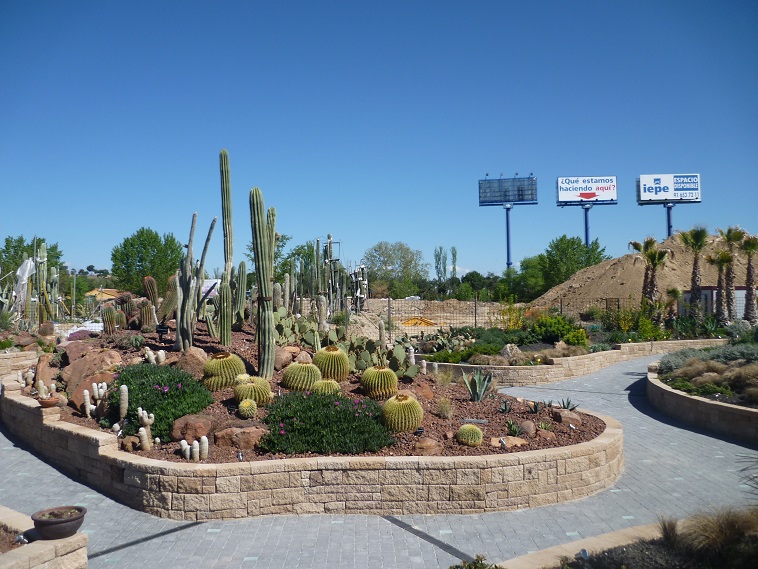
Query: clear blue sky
x=372, y=121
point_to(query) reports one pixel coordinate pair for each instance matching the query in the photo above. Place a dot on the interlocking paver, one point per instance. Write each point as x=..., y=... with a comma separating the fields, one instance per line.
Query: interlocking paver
x=670, y=470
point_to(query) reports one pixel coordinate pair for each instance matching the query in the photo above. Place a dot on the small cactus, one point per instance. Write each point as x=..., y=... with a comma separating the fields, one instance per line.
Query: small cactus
x=402, y=413
x=258, y=389
x=123, y=403
x=327, y=387
x=300, y=377
x=221, y=369
x=144, y=439
x=469, y=435
x=247, y=408
x=203, y=447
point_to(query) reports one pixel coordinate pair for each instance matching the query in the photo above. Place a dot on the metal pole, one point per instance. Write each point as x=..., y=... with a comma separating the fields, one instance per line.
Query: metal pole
x=508, y=208
x=587, y=208
x=669, y=229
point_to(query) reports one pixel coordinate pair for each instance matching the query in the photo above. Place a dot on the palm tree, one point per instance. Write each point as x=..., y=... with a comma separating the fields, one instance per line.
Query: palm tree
x=733, y=236
x=749, y=246
x=654, y=259
x=721, y=260
x=673, y=296
x=695, y=241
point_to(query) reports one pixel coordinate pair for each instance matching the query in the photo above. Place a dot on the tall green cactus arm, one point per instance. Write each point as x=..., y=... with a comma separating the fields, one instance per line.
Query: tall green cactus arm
x=264, y=236
x=226, y=212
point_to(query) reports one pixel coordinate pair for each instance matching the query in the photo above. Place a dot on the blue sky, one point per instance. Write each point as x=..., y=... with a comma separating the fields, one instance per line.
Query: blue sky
x=372, y=121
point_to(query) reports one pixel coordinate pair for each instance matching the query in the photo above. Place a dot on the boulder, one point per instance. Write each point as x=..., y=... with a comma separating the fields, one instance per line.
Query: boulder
x=566, y=416
x=24, y=339
x=192, y=362
x=92, y=363
x=243, y=438
x=191, y=428
x=510, y=351
x=129, y=444
x=304, y=358
x=44, y=371
x=547, y=435
x=75, y=350
x=294, y=350
x=424, y=393
x=428, y=447
x=515, y=441
x=528, y=428
x=282, y=358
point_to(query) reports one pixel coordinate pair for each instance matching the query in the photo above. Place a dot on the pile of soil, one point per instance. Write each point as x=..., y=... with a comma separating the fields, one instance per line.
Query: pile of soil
x=427, y=389
x=622, y=278
x=7, y=539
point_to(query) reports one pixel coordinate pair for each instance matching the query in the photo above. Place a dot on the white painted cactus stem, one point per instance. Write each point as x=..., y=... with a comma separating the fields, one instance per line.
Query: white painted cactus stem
x=150, y=356
x=195, y=452
x=87, y=405
x=160, y=356
x=185, y=449
x=412, y=356
x=42, y=391
x=145, y=420
x=423, y=367
x=203, y=447
x=144, y=440
x=123, y=403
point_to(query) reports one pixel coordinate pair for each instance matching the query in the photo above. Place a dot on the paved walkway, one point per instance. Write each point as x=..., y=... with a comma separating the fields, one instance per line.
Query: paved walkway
x=670, y=470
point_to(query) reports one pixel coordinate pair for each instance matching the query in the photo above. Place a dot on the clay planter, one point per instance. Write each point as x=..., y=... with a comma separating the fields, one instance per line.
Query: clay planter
x=51, y=401
x=58, y=522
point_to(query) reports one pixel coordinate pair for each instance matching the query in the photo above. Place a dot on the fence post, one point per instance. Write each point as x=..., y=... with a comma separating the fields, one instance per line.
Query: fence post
x=476, y=299
x=389, y=318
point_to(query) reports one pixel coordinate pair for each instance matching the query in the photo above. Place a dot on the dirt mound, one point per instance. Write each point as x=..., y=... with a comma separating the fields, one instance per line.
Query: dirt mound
x=621, y=278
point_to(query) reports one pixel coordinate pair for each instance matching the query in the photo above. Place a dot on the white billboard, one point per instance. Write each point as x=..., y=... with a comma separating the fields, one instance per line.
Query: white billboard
x=663, y=188
x=577, y=190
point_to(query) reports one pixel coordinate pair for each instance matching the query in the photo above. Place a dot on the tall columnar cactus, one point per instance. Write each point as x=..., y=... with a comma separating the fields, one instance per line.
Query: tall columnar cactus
x=146, y=314
x=286, y=293
x=151, y=289
x=189, y=290
x=264, y=242
x=54, y=282
x=276, y=290
x=168, y=306
x=123, y=403
x=108, y=314
x=240, y=296
x=225, y=312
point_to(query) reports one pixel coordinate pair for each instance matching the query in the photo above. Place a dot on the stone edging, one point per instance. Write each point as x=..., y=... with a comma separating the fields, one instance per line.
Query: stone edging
x=568, y=368
x=70, y=552
x=319, y=485
x=722, y=418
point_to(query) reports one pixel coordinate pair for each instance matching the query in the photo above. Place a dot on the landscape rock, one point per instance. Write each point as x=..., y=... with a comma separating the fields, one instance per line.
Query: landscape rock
x=77, y=396
x=129, y=443
x=449, y=435
x=428, y=447
x=566, y=416
x=44, y=371
x=192, y=362
x=545, y=434
x=191, y=428
x=424, y=393
x=294, y=350
x=528, y=428
x=243, y=438
x=515, y=441
x=304, y=358
x=510, y=351
x=282, y=358
x=92, y=363
x=76, y=350
x=24, y=339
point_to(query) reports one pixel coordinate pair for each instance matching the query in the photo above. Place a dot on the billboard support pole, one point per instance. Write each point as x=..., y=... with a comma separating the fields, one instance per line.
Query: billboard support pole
x=587, y=208
x=669, y=228
x=508, y=208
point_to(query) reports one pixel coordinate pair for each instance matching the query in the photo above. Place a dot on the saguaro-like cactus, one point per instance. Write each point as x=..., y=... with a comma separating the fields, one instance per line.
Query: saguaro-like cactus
x=225, y=313
x=264, y=241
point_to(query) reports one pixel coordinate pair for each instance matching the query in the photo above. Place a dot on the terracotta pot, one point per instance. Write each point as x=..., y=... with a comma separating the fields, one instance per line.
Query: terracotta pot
x=51, y=401
x=58, y=522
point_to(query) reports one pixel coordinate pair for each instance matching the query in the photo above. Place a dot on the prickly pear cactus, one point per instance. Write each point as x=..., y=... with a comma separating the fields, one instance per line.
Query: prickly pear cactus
x=379, y=382
x=300, y=377
x=469, y=435
x=402, y=413
x=333, y=363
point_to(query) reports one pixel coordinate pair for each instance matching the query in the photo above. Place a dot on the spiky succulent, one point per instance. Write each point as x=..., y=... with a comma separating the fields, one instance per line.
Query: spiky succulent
x=300, y=377
x=402, y=413
x=257, y=389
x=379, y=382
x=247, y=408
x=333, y=363
x=327, y=387
x=469, y=435
x=221, y=369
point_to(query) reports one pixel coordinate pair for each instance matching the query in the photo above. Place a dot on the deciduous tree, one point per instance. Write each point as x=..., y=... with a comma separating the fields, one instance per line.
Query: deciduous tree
x=145, y=253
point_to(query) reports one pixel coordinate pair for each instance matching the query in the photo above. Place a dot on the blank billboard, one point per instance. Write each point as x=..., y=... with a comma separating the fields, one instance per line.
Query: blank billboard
x=508, y=191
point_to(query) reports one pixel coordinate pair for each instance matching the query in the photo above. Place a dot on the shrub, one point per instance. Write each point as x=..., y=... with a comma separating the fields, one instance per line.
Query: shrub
x=5, y=344
x=324, y=424
x=740, y=332
x=445, y=408
x=602, y=347
x=576, y=338
x=676, y=360
x=166, y=392
x=551, y=328
x=451, y=357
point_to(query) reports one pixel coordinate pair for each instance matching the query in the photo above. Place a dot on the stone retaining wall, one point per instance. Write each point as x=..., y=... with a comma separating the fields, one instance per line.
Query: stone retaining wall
x=731, y=420
x=577, y=366
x=321, y=485
x=70, y=552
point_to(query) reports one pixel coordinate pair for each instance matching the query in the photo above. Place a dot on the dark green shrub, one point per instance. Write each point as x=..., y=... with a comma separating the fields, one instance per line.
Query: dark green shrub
x=166, y=392
x=324, y=424
x=447, y=357
x=552, y=328
x=600, y=347
x=5, y=344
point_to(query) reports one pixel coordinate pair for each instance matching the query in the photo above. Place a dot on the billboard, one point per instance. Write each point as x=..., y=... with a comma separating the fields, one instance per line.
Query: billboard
x=665, y=188
x=578, y=190
x=508, y=190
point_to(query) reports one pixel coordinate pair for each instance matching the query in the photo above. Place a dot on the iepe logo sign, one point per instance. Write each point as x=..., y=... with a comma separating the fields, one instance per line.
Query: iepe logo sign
x=669, y=188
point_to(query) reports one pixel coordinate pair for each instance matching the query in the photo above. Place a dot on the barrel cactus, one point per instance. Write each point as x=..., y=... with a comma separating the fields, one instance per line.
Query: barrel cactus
x=247, y=408
x=402, y=413
x=256, y=388
x=221, y=369
x=379, y=382
x=327, y=387
x=469, y=435
x=300, y=377
x=333, y=363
